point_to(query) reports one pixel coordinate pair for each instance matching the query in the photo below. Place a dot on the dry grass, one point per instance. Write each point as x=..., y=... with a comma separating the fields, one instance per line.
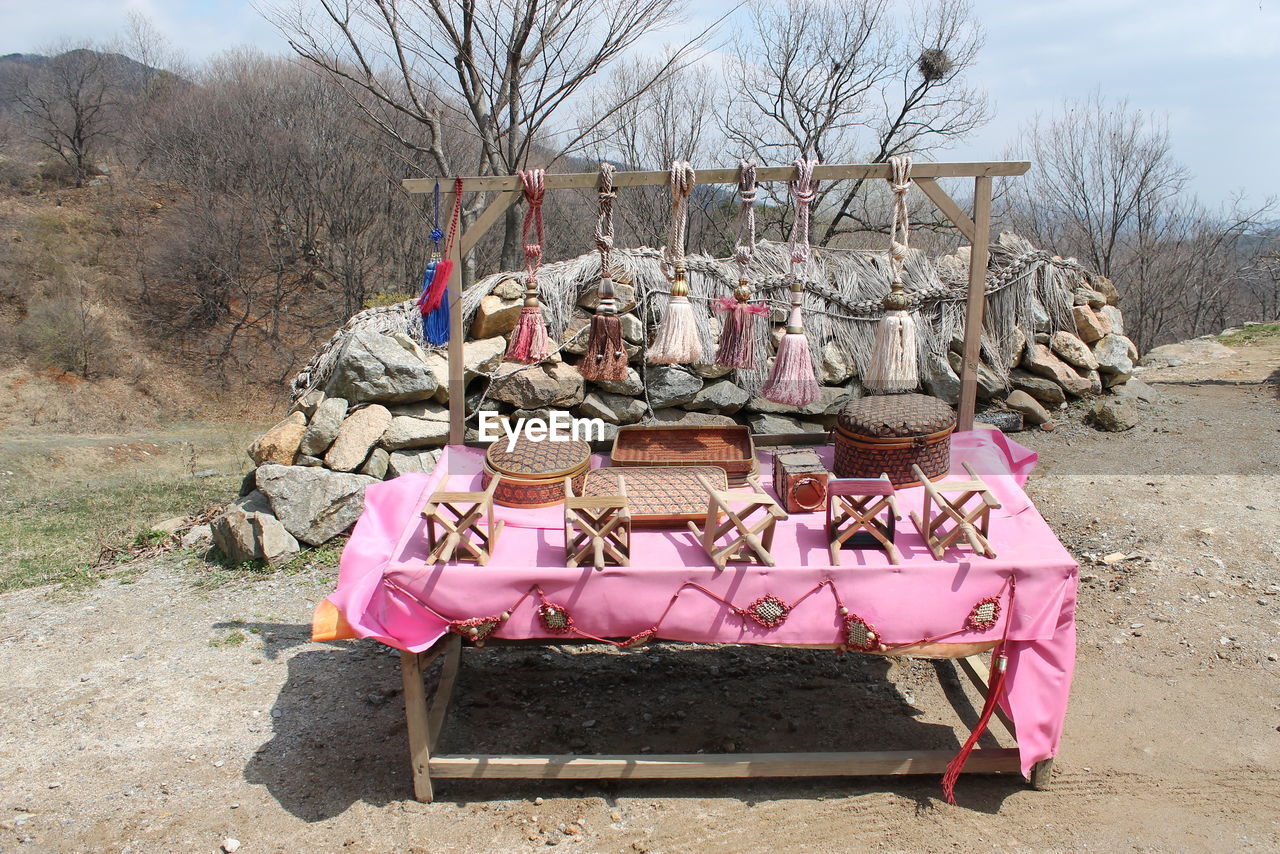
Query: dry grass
x=67, y=496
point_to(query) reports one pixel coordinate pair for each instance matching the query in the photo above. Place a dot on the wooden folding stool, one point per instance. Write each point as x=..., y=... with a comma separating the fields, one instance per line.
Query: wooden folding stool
x=853, y=515
x=597, y=525
x=751, y=536
x=461, y=537
x=971, y=522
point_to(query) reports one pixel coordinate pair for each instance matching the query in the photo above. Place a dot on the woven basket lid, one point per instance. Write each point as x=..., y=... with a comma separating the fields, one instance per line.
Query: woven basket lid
x=529, y=459
x=887, y=416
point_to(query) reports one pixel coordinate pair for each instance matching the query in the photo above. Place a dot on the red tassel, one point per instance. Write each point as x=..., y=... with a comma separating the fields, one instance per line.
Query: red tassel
x=999, y=666
x=956, y=765
x=529, y=342
x=439, y=282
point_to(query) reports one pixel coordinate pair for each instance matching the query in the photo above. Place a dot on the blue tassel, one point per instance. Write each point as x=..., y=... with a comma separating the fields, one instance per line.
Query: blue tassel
x=435, y=326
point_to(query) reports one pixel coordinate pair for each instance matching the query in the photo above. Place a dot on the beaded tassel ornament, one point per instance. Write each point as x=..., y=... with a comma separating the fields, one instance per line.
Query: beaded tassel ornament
x=434, y=301
x=792, y=380
x=606, y=356
x=529, y=341
x=737, y=338
x=676, y=342
x=893, y=357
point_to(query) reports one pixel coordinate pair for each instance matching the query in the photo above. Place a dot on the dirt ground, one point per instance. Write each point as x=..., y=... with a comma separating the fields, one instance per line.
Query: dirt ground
x=151, y=712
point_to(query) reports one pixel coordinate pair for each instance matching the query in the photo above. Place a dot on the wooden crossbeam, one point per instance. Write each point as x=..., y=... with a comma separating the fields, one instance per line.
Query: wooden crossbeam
x=822, y=172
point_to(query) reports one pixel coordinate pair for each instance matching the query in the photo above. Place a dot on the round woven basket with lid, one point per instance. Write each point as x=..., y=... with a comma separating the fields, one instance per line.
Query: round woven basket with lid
x=533, y=473
x=888, y=433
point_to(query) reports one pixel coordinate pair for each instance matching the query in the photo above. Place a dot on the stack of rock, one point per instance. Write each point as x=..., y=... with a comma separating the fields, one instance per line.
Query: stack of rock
x=383, y=411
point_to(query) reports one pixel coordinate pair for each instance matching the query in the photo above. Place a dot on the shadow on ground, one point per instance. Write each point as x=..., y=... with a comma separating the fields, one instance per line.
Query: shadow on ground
x=339, y=732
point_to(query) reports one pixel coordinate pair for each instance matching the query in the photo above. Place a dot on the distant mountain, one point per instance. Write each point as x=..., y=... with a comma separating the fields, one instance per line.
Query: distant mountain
x=14, y=68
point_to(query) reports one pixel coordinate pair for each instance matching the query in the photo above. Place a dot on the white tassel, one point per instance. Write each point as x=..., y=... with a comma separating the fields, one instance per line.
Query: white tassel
x=676, y=341
x=893, y=357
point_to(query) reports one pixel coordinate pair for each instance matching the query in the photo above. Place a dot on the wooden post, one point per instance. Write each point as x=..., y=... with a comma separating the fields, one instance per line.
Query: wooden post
x=978, y=257
x=457, y=376
x=415, y=712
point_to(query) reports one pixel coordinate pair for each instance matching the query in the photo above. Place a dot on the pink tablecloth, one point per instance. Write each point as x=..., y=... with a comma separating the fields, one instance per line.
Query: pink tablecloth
x=386, y=590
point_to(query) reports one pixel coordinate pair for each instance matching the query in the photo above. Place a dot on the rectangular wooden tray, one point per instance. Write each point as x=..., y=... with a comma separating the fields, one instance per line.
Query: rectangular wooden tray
x=730, y=448
x=659, y=496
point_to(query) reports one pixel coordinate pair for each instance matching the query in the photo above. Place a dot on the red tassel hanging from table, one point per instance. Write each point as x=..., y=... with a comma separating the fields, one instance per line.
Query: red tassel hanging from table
x=737, y=338
x=606, y=356
x=792, y=380
x=677, y=342
x=999, y=666
x=529, y=341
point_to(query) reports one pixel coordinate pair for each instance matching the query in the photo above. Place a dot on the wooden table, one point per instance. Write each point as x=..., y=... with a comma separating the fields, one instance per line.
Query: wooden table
x=426, y=718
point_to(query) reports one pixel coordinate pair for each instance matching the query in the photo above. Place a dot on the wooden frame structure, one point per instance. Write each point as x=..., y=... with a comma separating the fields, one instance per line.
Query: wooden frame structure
x=976, y=229
x=426, y=717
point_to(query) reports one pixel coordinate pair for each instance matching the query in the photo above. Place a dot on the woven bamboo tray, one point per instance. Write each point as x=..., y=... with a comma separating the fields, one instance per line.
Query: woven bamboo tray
x=659, y=496
x=730, y=448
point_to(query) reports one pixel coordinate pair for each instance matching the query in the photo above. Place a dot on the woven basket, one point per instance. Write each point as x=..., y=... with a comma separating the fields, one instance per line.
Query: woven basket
x=730, y=448
x=888, y=434
x=533, y=473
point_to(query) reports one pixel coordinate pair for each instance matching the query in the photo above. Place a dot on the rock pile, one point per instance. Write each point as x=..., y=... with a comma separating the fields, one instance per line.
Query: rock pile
x=383, y=410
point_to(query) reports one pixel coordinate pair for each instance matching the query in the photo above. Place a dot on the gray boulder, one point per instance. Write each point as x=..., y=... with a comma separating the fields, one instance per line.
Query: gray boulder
x=1073, y=351
x=829, y=401
x=359, y=432
x=670, y=386
x=1028, y=407
x=406, y=462
x=1112, y=355
x=324, y=426
x=1040, y=361
x=313, y=504
x=690, y=419
x=247, y=530
x=376, y=465
x=1043, y=390
x=939, y=379
x=1114, y=414
x=407, y=432
x=612, y=408
x=769, y=422
x=535, y=386
x=632, y=385
x=375, y=367
x=837, y=367
x=719, y=396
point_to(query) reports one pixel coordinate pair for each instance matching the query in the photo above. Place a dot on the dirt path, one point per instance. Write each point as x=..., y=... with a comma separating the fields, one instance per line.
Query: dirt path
x=156, y=715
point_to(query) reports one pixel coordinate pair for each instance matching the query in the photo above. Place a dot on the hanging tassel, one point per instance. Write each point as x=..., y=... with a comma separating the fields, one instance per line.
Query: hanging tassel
x=435, y=326
x=1000, y=665
x=737, y=339
x=792, y=380
x=677, y=342
x=529, y=341
x=606, y=356
x=894, y=355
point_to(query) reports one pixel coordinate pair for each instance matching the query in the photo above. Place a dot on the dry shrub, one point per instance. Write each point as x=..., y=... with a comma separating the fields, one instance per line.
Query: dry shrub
x=70, y=329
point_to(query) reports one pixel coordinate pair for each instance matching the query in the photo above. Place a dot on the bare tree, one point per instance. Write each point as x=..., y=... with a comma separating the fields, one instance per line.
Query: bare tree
x=503, y=69
x=68, y=101
x=844, y=81
x=1105, y=188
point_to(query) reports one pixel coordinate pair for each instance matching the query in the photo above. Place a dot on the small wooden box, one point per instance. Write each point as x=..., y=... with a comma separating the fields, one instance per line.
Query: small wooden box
x=800, y=480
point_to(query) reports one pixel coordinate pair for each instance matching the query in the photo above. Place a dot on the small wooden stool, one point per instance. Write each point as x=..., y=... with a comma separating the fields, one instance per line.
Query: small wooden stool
x=853, y=515
x=462, y=533
x=599, y=525
x=970, y=522
x=752, y=536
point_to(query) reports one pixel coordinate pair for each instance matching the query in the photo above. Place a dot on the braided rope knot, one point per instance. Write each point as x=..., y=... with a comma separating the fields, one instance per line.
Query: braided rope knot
x=803, y=189
x=683, y=179
x=533, y=182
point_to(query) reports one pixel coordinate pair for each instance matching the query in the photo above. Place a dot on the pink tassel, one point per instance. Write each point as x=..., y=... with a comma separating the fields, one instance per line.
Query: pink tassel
x=792, y=381
x=676, y=342
x=529, y=341
x=737, y=338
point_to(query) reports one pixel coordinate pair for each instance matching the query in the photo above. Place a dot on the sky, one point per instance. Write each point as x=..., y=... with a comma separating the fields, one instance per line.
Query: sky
x=1212, y=67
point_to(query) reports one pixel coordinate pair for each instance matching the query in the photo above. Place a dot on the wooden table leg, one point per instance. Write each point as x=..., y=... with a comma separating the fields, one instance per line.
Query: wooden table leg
x=1042, y=775
x=439, y=706
x=415, y=712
